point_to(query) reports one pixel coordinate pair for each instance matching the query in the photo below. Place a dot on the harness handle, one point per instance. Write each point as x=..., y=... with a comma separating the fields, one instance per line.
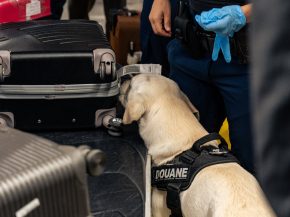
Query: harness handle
x=210, y=137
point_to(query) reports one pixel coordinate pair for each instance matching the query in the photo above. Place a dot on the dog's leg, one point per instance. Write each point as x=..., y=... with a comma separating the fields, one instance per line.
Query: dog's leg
x=159, y=207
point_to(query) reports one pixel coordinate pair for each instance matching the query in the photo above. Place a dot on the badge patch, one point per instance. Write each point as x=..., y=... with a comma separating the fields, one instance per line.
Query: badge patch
x=169, y=173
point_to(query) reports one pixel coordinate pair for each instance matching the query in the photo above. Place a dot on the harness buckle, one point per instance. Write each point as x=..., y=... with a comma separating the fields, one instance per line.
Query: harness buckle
x=218, y=151
x=173, y=200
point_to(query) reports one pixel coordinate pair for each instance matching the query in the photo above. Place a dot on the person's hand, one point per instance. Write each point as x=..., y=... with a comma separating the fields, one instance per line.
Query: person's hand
x=224, y=22
x=160, y=17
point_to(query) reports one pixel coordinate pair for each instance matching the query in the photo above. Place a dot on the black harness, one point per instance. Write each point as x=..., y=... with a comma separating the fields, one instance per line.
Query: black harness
x=178, y=174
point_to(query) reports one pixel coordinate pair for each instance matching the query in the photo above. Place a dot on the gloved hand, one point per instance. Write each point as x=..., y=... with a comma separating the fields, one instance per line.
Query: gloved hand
x=224, y=22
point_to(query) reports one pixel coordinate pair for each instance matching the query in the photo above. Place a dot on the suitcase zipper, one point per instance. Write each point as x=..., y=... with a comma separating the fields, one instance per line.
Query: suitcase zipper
x=59, y=91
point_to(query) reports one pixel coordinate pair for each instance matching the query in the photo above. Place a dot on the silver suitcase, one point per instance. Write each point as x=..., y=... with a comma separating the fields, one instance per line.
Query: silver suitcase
x=39, y=178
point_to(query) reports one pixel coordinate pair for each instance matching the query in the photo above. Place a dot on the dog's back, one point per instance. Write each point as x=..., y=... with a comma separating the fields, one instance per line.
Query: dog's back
x=225, y=190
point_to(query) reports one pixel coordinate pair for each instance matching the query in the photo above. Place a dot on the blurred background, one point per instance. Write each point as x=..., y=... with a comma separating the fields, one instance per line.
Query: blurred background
x=97, y=13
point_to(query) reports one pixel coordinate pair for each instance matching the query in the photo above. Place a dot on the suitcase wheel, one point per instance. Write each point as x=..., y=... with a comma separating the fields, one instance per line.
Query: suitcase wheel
x=114, y=125
x=7, y=119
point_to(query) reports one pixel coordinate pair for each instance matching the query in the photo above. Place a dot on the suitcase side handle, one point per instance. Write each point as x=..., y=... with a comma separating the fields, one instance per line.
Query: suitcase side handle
x=105, y=63
x=5, y=69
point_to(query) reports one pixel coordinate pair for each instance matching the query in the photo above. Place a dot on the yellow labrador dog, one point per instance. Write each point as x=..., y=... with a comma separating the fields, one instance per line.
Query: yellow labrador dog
x=168, y=127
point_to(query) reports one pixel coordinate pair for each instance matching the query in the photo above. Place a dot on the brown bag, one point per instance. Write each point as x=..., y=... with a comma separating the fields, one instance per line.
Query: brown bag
x=125, y=30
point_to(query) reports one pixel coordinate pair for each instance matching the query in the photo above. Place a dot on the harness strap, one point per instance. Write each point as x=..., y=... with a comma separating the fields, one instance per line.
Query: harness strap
x=173, y=199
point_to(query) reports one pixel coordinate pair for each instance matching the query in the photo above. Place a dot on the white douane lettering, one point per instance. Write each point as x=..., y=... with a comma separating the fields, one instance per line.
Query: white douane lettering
x=184, y=172
x=167, y=173
x=161, y=174
x=178, y=172
x=157, y=174
x=172, y=174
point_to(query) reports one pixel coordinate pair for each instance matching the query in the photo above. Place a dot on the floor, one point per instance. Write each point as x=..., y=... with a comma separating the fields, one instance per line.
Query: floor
x=97, y=13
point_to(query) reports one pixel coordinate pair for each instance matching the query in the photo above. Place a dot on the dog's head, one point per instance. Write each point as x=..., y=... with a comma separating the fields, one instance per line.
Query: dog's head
x=138, y=94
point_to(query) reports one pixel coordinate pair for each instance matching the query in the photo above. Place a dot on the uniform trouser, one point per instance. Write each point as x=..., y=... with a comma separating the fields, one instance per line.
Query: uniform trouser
x=219, y=90
x=153, y=46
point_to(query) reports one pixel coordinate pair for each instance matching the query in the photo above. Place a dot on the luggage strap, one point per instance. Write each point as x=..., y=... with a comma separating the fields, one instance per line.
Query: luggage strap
x=177, y=175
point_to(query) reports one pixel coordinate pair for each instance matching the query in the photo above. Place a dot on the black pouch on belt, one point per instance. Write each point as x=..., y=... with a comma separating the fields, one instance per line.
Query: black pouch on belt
x=185, y=30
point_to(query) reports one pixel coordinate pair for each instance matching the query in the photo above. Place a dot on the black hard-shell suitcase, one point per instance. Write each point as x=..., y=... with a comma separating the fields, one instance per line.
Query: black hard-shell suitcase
x=56, y=74
x=39, y=178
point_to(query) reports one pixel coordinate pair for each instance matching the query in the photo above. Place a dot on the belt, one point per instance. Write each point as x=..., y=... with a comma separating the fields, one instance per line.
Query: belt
x=201, y=44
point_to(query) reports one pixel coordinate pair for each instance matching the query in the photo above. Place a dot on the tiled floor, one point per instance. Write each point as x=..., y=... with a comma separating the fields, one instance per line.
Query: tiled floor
x=97, y=13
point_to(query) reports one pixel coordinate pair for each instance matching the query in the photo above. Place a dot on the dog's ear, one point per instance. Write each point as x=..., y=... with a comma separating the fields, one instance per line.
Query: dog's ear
x=133, y=111
x=192, y=107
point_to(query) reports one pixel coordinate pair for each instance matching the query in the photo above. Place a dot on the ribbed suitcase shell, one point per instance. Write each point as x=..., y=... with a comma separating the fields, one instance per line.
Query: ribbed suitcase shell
x=120, y=190
x=35, y=169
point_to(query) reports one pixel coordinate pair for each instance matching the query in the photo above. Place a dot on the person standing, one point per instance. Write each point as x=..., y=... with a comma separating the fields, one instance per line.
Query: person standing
x=211, y=67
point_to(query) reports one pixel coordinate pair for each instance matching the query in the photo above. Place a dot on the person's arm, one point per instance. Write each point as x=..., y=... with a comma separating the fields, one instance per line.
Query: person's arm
x=160, y=17
x=247, y=10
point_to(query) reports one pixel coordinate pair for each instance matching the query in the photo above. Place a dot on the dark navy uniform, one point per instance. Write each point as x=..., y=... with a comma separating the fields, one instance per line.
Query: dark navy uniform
x=218, y=89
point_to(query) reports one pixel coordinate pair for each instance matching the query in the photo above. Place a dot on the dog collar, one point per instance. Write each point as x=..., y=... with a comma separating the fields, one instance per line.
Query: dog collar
x=177, y=175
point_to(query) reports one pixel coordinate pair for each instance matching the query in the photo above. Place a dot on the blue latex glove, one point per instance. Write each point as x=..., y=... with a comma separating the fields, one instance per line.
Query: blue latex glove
x=221, y=42
x=224, y=22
